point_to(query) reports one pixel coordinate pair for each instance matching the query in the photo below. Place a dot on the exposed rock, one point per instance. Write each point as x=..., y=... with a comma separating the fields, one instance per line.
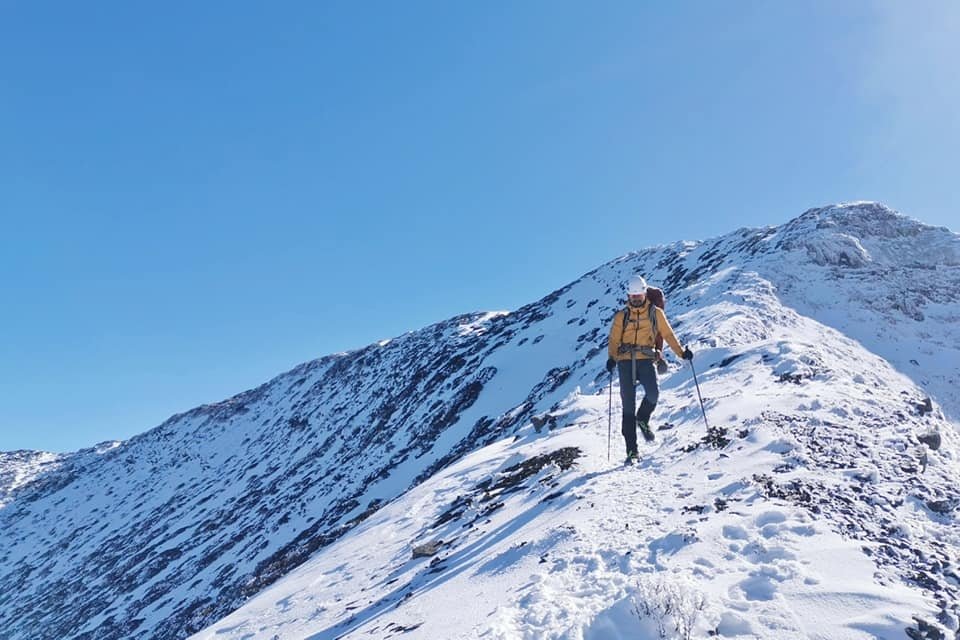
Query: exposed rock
x=925, y=631
x=941, y=506
x=931, y=439
x=427, y=549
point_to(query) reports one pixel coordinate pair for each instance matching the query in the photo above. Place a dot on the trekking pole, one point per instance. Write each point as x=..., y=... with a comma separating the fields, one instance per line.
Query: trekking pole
x=704, y=411
x=610, y=415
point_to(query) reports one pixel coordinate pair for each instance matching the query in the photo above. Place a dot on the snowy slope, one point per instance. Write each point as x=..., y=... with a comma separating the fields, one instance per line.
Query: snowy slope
x=20, y=468
x=811, y=511
x=298, y=502
x=878, y=277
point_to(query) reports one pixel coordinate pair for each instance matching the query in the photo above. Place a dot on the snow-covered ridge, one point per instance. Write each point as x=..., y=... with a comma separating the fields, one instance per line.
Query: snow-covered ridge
x=19, y=468
x=845, y=235
x=878, y=277
x=34, y=472
x=169, y=532
x=822, y=504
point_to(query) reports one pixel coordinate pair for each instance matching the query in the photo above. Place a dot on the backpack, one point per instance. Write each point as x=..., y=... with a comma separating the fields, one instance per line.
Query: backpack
x=657, y=299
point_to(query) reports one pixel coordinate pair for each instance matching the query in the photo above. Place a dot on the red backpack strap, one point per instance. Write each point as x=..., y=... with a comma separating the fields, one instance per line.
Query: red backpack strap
x=655, y=296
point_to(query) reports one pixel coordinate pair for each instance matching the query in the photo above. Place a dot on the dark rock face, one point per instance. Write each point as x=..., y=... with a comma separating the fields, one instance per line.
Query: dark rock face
x=932, y=440
x=483, y=499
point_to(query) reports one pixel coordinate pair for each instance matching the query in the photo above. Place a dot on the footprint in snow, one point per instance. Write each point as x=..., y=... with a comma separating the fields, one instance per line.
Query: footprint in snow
x=760, y=554
x=758, y=587
x=734, y=532
x=704, y=568
x=769, y=517
x=734, y=487
x=732, y=625
x=774, y=524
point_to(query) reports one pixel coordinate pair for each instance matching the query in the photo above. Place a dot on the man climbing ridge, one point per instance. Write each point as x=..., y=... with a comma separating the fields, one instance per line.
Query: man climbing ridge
x=632, y=349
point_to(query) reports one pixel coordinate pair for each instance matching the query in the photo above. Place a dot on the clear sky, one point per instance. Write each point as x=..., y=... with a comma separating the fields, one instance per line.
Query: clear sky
x=197, y=196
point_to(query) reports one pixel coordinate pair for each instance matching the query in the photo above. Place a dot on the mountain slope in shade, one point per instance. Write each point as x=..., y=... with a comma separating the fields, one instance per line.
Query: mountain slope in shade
x=825, y=356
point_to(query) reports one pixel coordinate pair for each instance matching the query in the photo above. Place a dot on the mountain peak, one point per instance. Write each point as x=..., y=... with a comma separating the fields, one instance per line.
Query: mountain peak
x=827, y=350
x=855, y=234
x=861, y=219
x=854, y=209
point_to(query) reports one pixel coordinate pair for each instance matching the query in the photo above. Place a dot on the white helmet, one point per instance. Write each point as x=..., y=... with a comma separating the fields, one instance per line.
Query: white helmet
x=637, y=285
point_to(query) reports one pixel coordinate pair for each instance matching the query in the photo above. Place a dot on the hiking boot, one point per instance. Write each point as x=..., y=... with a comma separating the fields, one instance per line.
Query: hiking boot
x=645, y=430
x=631, y=457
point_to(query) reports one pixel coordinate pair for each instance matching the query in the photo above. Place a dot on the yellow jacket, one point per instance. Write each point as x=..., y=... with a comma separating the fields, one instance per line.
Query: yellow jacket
x=638, y=332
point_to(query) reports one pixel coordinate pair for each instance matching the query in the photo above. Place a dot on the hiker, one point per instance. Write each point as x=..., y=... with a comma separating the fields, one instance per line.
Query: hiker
x=633, y=349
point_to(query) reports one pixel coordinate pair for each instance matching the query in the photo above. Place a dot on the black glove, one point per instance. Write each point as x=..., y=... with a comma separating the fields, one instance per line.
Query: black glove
x=662, y=366
x=611, y=363
x=687, y=354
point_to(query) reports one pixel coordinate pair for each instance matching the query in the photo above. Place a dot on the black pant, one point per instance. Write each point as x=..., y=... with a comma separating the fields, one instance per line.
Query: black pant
x=646, y=376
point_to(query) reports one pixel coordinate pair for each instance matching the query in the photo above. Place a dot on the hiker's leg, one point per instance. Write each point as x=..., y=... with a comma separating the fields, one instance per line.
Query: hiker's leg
x=647, y=378
x=628, y=400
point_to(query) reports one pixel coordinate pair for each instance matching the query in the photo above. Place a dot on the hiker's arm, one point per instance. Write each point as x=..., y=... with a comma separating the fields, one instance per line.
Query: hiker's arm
x=613, y=341
x=667, y=332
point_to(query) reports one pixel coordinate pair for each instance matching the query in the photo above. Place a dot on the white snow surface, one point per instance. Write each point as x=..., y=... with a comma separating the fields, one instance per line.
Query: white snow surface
x=815, y=506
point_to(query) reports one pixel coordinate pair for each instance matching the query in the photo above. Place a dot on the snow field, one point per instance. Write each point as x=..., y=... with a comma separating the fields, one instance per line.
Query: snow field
x=584, y=565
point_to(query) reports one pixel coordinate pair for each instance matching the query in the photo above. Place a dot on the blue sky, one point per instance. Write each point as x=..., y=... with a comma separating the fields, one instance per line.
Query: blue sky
x=195, y=197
